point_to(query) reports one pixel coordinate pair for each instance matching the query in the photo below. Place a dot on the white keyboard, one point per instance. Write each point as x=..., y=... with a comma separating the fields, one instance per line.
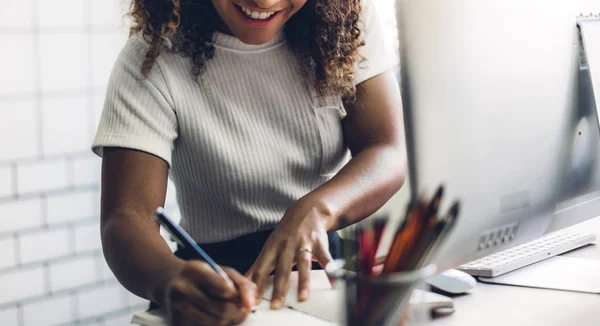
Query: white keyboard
x=529, y=253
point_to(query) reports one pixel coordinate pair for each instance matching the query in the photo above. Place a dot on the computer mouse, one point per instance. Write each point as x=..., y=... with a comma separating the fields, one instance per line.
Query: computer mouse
x=452, y=281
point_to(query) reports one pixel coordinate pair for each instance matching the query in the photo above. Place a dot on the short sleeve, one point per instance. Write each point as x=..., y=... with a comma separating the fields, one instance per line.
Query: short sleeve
x=138, y=112
x=379, y=55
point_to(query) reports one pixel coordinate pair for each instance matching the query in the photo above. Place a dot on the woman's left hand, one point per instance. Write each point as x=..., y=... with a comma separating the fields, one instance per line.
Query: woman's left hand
x=299, y=239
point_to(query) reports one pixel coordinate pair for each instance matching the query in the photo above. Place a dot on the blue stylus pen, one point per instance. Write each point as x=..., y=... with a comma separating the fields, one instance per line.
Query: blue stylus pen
x=184, y=239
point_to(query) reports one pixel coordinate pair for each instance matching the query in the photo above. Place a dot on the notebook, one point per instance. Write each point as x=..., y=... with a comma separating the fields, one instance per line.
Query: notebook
x=262, y=317
x=325, y=306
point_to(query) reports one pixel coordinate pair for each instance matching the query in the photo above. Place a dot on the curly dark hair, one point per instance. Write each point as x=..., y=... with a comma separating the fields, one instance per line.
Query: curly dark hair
x=324, y=34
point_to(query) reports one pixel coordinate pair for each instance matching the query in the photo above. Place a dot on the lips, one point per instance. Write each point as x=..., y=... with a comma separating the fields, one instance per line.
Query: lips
x=256, y=17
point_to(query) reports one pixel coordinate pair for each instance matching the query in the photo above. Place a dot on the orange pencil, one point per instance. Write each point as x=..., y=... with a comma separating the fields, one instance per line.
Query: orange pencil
x=422, y=239
x=403, y=235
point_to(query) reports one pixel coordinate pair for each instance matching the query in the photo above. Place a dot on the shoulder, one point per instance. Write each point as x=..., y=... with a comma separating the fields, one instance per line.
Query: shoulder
x=130, y=61
x=134, y=53
x=135, y=48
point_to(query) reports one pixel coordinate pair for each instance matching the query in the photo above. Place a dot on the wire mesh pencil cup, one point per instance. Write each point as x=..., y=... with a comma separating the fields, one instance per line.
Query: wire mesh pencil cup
x=378, y=300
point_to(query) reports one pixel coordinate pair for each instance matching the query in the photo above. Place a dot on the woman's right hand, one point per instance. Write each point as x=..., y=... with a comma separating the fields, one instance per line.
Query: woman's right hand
x=200, y=296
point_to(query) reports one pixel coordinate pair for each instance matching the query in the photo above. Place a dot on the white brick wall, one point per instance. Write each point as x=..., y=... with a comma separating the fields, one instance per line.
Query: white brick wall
x=86, y=170
x=22, y=284
x=9, y=316
x=87, y=237
x=18, y=73
x=63, y=61
x=104, y=52
x=73, y=273
x=44, y=245
x=18, y=123
x=98, y=323
x=132, y=300
x=59, y=13
x=105, y=272
x=51, y=91
x=108, y=13
x=61, y=135
x=6, y=182
x=43, y=176
x=100, y=301
x=7, y=253
x=121, y=320
x=19, y=16
x=20, y=214
x=72, y=206
x=51, y=311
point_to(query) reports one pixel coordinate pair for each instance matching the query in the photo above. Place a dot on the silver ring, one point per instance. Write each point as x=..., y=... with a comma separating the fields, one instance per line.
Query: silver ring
x=305, y=250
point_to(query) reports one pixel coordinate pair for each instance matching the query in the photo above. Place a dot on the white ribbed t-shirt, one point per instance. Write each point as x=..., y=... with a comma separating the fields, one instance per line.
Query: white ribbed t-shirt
x=245, y=142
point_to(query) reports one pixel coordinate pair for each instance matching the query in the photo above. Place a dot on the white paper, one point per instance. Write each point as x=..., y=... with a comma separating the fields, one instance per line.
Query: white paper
x=328, y=303
x=324, y=307
x=263, y=317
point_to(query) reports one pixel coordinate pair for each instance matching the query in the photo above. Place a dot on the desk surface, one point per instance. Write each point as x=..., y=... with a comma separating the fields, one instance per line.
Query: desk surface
x=491, y=305
x=486, y=305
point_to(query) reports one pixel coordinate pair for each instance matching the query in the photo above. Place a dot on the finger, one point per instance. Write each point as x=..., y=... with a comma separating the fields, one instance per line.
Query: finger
x=246, y=288
x=282, y=276
x=261, y=269
x=304, y=263
x=205, y=277
x=183, y=314
x=185, y=292
x=323, y=256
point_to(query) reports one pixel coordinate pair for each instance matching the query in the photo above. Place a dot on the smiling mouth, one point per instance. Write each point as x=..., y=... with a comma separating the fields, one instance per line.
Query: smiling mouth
x=256, y=15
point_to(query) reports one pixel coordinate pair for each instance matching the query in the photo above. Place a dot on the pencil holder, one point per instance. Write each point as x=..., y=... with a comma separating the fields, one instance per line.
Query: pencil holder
x=379, y=300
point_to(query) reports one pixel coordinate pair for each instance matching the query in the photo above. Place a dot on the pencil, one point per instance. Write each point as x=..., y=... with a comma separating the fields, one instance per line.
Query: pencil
x=427, y=234
x=403, y=235
x=443, y=228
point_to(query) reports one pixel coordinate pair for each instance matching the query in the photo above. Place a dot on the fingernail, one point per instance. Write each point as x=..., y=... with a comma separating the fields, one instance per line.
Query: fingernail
x=276, y=304
x=303, y=295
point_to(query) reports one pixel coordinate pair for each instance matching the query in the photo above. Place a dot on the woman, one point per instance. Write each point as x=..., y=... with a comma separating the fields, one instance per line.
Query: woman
x=250, y=106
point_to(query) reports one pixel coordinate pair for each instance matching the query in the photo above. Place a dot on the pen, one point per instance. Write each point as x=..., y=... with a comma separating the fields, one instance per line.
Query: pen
x=378, y=226
x=366, y=249
x=411, y=237
x=185, y=240
x=427, y=234
x=441, y=231
x=403, y=235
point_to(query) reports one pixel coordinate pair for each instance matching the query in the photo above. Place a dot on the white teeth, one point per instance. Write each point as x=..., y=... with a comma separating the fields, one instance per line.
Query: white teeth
x=256, y=14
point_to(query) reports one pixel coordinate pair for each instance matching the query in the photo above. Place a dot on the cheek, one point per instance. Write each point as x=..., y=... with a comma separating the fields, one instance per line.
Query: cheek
x=298, y=4
x=220, y=6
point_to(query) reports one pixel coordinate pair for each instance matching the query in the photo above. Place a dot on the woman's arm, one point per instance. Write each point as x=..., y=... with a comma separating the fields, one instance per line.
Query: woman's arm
x=133, y=185
x=374, y=132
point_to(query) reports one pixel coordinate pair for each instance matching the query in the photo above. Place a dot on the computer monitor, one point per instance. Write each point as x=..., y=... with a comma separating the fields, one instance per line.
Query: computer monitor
x=496, y=109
